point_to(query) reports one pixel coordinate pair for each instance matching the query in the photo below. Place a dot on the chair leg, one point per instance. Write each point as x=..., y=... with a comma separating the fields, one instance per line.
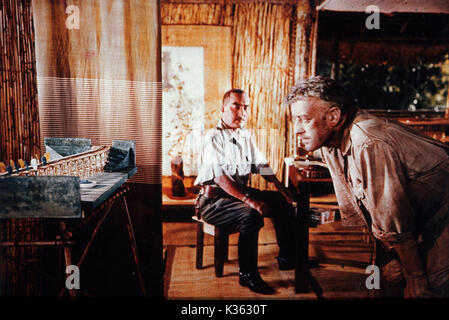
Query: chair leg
x=226, y=248
x=199, y=245
x=219, y=251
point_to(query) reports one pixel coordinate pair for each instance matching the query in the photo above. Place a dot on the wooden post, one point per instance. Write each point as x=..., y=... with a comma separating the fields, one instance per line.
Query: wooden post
x=302, y=272
x=305, y=42
x=314, y=39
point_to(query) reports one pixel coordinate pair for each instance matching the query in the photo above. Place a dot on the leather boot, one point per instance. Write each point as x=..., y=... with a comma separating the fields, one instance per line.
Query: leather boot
x=248, y=275
x=255, y=283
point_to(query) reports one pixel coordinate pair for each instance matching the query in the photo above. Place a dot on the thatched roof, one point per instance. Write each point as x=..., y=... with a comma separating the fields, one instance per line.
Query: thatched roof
x=410, y=31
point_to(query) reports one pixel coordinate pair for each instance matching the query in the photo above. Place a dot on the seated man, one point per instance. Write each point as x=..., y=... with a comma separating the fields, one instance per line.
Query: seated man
x=385, y=175
x=228, y=158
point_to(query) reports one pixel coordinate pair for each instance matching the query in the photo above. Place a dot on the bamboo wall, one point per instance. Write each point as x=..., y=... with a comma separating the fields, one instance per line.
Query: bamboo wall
x=19, y=139
x=263, y=52
x=19, y=119
x=262, y=56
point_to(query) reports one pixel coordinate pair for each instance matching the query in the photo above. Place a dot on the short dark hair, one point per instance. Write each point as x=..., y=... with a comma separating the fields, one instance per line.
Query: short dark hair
x=323, y=88
x=227, y=95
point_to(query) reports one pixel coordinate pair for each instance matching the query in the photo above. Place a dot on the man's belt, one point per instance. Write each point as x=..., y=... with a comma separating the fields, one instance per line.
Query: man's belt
x=213, y=192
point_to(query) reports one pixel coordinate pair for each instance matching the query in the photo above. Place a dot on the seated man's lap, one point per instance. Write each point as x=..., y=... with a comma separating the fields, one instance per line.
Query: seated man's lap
x=231, y=214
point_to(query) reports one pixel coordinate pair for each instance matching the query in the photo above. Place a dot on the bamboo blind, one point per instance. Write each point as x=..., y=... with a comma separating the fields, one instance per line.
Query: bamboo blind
x=19, y=124
x=263, y=63
x=261, y=67
x=197, y=14
x=102, y=81
x=19, y=139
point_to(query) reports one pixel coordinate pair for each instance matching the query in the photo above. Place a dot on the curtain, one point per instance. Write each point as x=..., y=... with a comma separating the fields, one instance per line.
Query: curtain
x=98, y=74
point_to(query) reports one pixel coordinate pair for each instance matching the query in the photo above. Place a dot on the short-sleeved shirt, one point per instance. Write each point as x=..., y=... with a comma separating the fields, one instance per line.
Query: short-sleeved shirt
x=395, y=174
x=230, y=152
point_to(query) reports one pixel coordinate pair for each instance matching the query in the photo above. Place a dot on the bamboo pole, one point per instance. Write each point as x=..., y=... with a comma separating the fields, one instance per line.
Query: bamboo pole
x=19, y=132
x=18, y=109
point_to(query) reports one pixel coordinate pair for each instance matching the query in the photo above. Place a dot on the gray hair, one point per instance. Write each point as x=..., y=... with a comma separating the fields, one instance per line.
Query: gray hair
x=323, y=88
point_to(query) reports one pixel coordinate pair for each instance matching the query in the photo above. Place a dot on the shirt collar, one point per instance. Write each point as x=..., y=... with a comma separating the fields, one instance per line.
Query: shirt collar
x=346, y=142
x=230, y=133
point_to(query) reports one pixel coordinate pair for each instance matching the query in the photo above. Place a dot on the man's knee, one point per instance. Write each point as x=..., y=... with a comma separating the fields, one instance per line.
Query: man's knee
x=251, y=221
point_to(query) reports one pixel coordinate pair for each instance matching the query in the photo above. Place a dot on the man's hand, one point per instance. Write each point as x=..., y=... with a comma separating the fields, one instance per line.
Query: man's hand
x=258, y=205
x=417, y=287
x=286, y=193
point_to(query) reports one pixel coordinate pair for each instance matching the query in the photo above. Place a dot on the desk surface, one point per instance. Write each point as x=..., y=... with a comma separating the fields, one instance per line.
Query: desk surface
x=107, y=184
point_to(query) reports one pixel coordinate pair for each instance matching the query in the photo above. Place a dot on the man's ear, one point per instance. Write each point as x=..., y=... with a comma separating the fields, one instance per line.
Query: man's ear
x=334, y=116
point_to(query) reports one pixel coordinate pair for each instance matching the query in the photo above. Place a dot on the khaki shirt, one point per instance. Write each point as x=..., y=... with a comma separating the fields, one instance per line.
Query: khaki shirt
x=232, y=153
x=391, y=177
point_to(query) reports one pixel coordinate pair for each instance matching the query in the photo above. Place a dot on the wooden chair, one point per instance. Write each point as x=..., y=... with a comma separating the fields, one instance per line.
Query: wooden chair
x=221, y=244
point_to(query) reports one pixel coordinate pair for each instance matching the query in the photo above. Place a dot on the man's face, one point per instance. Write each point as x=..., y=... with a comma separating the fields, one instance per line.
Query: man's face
x=235, y=110
x=311, y=122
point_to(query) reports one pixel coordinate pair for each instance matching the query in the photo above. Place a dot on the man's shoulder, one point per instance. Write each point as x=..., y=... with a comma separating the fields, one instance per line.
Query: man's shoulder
x=214, y=134
x=368, y=128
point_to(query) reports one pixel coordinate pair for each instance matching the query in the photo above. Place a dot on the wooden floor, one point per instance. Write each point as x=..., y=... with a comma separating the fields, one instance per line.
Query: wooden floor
x=340, y=251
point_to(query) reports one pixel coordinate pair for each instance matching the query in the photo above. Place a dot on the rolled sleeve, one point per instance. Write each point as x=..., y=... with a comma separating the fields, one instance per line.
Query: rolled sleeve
x=212, y=160
x=383, y=191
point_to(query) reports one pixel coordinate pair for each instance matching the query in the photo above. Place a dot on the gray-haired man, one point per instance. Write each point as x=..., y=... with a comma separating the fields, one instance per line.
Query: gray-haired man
x=390, y=177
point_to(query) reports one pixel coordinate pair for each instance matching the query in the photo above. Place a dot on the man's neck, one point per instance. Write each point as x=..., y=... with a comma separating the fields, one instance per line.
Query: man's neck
x=336, y=138
x=227, y=127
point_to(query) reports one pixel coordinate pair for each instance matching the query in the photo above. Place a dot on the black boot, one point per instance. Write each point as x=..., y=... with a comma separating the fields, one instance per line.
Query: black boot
x=255, y=283
x=248, y=275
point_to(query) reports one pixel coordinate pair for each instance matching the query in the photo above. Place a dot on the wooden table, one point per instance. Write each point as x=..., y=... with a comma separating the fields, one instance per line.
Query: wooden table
x=107, y=184
x=61, y=198
x=303, y=187
x=99, y=200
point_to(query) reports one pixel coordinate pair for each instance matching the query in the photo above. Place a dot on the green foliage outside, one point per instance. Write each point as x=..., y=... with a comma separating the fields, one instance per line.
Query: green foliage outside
x=420, y=86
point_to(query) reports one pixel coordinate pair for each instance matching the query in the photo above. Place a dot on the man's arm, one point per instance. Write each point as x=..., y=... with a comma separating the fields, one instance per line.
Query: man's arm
x=417, y=286
x=238, y=191
x=280, y=187
x=387, y=199
x=264, y=169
